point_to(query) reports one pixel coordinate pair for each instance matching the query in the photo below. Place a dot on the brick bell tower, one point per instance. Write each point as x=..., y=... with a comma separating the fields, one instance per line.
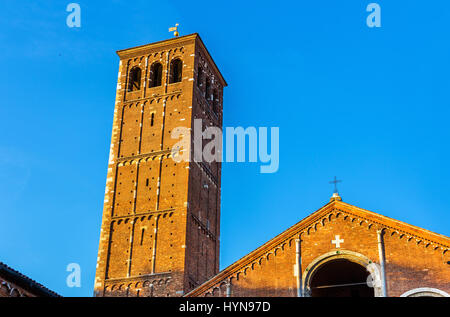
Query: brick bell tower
x=161, y=219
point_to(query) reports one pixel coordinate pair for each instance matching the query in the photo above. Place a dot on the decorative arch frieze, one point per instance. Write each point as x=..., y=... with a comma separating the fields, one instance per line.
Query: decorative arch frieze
x=311, y=225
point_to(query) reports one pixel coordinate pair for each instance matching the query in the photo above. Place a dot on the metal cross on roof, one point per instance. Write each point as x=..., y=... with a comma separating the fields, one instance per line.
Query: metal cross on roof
x=335, y=181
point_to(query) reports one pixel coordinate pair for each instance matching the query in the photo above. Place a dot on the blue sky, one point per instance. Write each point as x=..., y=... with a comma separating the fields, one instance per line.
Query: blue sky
x=370, y=105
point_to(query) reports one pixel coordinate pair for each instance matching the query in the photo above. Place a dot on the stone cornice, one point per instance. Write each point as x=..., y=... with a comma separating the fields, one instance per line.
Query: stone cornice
x=156, y=46
x=139, y=277
x=143, y=156
x=155, y=96
x=144, y=214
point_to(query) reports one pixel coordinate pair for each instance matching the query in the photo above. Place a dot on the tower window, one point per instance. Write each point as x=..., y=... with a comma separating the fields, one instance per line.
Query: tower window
x=152, y=120
x=215, y=102
x=207, y=88
x=134, y=80
x=142, y=236
x=199, y=77
x=155, y=75
x=176, y=70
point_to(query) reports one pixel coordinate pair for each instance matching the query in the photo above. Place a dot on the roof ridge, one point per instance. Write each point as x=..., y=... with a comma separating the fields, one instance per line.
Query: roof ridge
x=10, y=270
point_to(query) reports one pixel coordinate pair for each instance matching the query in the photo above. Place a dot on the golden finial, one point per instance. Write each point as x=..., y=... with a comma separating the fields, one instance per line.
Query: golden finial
x=174, y=30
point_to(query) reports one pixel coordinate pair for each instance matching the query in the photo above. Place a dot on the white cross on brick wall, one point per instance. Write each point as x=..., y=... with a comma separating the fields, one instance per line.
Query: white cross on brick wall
x=337, y=241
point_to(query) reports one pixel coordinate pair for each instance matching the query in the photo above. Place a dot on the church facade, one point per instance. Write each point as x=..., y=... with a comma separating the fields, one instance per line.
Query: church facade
x=341, y=251
x=160, y=233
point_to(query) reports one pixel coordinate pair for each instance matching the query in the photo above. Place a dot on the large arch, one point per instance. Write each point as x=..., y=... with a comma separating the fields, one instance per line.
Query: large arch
x=353, y=266
x=425, y=292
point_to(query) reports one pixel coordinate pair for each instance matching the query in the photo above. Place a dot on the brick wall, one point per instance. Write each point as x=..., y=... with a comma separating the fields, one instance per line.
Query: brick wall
x=415, y=258
x=160, y=226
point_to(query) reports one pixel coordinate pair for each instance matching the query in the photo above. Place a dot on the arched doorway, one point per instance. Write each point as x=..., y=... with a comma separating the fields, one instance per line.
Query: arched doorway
x=341, y=273
x=341, y=278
